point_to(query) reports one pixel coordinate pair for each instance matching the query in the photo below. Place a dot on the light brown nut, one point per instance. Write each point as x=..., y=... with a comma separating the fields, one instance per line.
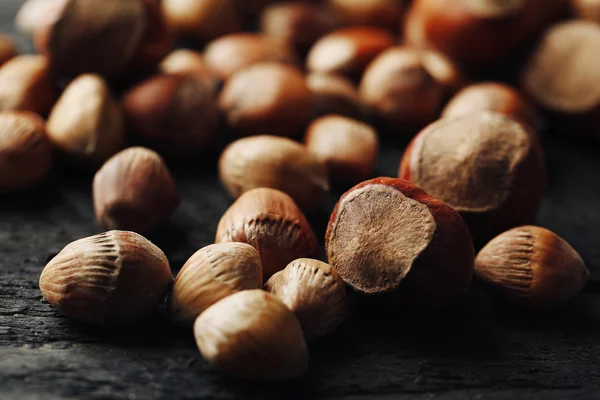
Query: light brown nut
x=184, y=61
x=25, y=85
x=36, y=15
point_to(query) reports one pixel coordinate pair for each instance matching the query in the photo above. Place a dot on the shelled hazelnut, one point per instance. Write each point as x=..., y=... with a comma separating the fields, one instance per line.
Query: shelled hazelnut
x=587, y=9
x=35, y=15
x=348, y=147
x=25, y=85
x=87, y=123
x=335, y=94
x=252, y=335
x=134, y=190
x=112, y=279
x=184, y=61
x=407, y=87
x=314, y=292
x=269, y=221
x=175, y=114
x=385, y=14
x=8, y=49
x=267, y=98
x=211, y=274
x=532, y=267
x=25, y=151
x=487, y=166
x=387, y=236
x=274, y=162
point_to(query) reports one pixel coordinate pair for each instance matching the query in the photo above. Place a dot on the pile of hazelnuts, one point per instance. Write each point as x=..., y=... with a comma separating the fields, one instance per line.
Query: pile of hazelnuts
x=302, y=91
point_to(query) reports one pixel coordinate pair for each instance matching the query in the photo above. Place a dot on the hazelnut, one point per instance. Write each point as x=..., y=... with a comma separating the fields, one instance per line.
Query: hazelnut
x=587, y=9
x=348, y=147
x=406, y=87
x=87, y=123
x=252, y=335
x=487, y=166
x=231, y=53
x=8, y=49
x=25, y=151
x=496, y=97
x=274, y=162
x=184, y=61
x=134, y=190
x=112, y=279
x=387, y=236
x=335, y=94
x=35, y=15
x=156, y=41
x=532, y=267
x=25, y=85
x=269, y=221
x=175, y=114
x=211, y=274
x=315, y=292
x=267, y=98
x=348, y=51
x=385, y=14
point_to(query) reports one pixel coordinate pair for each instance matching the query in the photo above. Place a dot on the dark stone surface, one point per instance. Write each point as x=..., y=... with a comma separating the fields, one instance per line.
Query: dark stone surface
x=478, y=349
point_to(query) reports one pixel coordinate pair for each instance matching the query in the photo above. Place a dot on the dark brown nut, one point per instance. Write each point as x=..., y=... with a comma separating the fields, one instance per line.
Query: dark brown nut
x=348, y=51
x=229, y=54
x=87, y=123
x=267, y=98
x=8, y=49
x=204, y=20
x=496, y=97
x=25, y=151
x=184, y=61
x=315, y=293
x=348, y=147
x=112, y=279
x=385, y=14
x=36, y=15
x=406, y=87
x=25, y=85
x=211, y=274
x=176, y=115
x=387, y=236
x=274, y=162
x=532, y=267
x=561, y=76
x=252, y=335
x=134, y=190
x=156, y=41
x=269, y=221
x=487, y=166
x=335, y=94
x=587, y=9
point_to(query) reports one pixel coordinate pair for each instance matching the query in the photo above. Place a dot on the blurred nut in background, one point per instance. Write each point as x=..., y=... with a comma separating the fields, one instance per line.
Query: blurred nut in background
x=36, y=15
x=25, y=151
x=385, y=14
x=134, y=190
x=335, y=94
x=25, y=85
x=184, y=61
x=587, y=9
x=156, y=42
x=8, y=49
x=87, y=124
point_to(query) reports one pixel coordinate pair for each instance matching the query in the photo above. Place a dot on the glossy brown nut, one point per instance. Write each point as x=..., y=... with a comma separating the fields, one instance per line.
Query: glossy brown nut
x=184, y=61
x=487, y=166
x=134, y=190
x=25, y=151
x=156, y=41
x=232, y=53
x=348, y=51
x=269, y=221
x=348, y=147
x=532, y=267
x=406, y=87
x=267, y=98
x=385, y=14
x=587, y=9
x=335, y=94
x=176, y=115
x=8, y=49
x=25, y=85
x=387, y=236
x=35, y=15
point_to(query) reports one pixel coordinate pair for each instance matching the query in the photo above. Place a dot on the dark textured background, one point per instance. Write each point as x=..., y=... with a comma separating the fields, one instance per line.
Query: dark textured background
x=479, y=349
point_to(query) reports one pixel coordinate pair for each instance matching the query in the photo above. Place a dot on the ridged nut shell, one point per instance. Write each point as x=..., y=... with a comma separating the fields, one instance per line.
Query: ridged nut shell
x=25, y=85
x=315, y=292
x=211, y=274
x=252, y=335
x=112, y=279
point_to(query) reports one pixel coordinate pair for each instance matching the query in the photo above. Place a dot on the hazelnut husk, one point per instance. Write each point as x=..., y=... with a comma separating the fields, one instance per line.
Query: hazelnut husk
x=8, y=49
x=386, y=14
x=252, y=335
x=335, y=94
x=134, y=191
x=87, y=123
x=25, y=151
x=269, y=221
x=211, y=274
x=25, y=85
x=388, y=237
x=487, y=166
x=315, y=292
x=532, y=267
x=274, y=162
x=112, y=279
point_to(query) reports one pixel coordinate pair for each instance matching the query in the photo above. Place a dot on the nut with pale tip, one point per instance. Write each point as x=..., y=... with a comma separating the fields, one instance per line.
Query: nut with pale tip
x=25, y=85
x=35, y=15
x=184, y=61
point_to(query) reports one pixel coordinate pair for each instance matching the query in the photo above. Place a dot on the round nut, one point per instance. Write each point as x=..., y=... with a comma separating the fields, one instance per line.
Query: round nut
x=25, y=85
x=385, y=14
x=587, y=9
x=36, y=15
x=184, y=61
x=335, y=94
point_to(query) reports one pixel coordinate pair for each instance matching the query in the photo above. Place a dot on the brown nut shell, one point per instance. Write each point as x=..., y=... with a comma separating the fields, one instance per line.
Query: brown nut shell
x=211, y=274
x=25, y=85
x=586, y=9
x=252, y=335
x=156, y=41
x=532, y=267
x=314, y=292
x=269, y=221
x=8, y=49
x=335, y=94
x=134, y=190
x=112, y=279
x=36, y=15
x=274, y=162
x=385, y=14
